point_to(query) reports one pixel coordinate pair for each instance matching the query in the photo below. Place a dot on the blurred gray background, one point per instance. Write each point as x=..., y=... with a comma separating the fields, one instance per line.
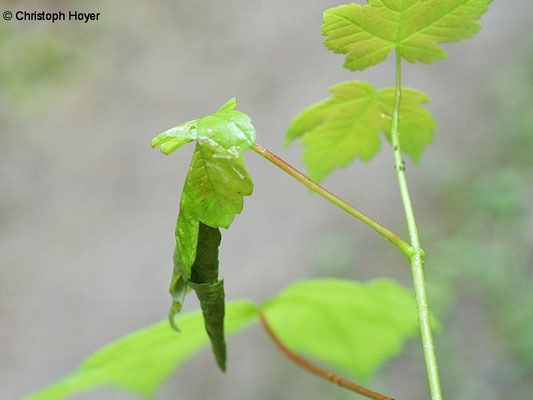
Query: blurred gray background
x=87, y=208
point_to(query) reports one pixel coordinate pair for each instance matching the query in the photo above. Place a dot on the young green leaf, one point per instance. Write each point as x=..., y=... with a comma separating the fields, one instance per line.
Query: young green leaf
x=367, y=33
x=184, y=256
x=141, y=361
x=324, y=318
x=212, y=196
x=217, y=180
x=216, y=184
x=227, y=128
x=346, y=125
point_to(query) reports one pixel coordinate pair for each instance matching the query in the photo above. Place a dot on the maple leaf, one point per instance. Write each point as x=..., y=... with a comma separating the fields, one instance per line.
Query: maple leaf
x=337, y=130
x=368, y=33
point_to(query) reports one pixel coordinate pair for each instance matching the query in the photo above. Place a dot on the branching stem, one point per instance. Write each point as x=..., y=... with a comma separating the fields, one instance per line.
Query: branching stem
x=315, y=369
x=413, y=251
x=417, y=258
x=401, y=244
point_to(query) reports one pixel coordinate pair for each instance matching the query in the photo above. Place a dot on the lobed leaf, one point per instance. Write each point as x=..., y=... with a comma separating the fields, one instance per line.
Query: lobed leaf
x=368, y=33
x=324, y=318
x=337, y=130
x=215, y=185
x=416, y=124
x=212, y=196
x=227, y=127
x=217, y=180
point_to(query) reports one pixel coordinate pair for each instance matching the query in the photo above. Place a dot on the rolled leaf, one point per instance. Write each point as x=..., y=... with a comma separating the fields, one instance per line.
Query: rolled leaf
x=213, y=195
x=210, y=291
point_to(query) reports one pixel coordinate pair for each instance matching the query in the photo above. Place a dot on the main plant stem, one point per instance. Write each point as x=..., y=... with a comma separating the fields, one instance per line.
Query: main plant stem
x=417, y=258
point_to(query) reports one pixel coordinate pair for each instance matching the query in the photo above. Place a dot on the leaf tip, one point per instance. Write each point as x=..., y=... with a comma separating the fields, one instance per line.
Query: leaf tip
x=174, y=310
x=229, y=105
x=221, y=365
x=170, y=146
x=288, y=140
x=172, y=323
x=154, y=143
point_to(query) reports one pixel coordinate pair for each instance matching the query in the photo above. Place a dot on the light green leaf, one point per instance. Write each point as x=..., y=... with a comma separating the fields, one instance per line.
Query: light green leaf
x=214, y=188
x=186, y=242
x=227, y=127
x=184, y=256
x=229, y=105
x=416, y=125
x=212, y=196
x=216, y=184
x=141, y=361
x=352, y=326
x=367, y=33
x=337, y=130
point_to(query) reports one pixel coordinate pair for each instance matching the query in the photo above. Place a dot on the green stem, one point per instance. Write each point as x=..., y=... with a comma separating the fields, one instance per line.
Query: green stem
x=418, y=256
x=401, y=244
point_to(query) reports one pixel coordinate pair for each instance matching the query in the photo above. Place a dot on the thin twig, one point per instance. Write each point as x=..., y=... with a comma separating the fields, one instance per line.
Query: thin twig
x=302, y=362
x=401, y=244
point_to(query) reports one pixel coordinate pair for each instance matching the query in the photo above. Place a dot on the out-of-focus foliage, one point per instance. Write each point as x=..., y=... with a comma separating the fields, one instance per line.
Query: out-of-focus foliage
x=487, y=256
x=325, y=318
x=322, y=318
x=37, y=60
x=480, y=276
x=142, y=360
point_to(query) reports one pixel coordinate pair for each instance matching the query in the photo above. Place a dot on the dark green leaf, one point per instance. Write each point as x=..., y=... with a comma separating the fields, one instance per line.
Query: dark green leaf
x=210, y=291
x=211, y=296
x=205, y=268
